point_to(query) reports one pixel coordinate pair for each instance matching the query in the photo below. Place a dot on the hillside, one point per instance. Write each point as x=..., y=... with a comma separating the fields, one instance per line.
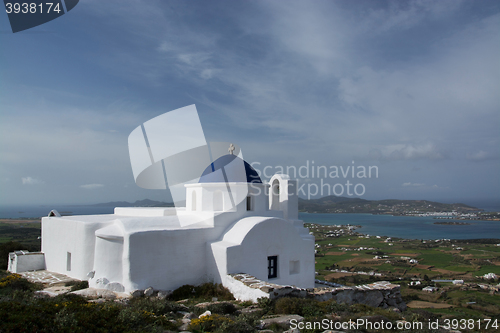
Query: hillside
x=137, y=203
x=334, y=204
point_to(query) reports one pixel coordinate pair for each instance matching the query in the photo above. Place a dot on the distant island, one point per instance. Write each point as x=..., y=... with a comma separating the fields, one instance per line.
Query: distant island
x=137, y=203
x=334, y=204
x=453, y=223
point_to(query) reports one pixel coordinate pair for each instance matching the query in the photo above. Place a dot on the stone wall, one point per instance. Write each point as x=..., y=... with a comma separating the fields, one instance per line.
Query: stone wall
x=379, y=294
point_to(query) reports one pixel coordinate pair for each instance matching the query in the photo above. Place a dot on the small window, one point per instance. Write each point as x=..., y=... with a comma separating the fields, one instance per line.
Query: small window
x=294, y=267
x=272, y=267
x=68, y=261
x=193, y=201
x=249, y=203
x=218, y=201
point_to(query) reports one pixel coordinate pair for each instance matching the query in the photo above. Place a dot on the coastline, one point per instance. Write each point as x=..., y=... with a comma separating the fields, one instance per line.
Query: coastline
x=406, y=227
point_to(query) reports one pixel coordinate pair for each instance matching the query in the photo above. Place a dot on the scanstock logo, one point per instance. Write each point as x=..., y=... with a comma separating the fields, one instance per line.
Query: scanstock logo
x=31, y=13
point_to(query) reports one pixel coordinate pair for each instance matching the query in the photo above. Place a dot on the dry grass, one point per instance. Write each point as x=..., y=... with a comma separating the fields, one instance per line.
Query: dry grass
x=336, y=275
x=16, y=221
x=427, y=305
x=419, y=266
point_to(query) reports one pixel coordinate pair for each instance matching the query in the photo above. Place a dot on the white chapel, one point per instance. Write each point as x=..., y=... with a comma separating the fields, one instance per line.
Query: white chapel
x=231, y=222
x=139, y=247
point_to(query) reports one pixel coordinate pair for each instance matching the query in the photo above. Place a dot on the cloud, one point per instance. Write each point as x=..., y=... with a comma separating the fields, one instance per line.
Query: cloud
x=480, y=156
x=423, y=187
x=397, y=152
x=91, y=186
x=406, y=82
x=31, y=181
x=399, y=15
x=413, y=184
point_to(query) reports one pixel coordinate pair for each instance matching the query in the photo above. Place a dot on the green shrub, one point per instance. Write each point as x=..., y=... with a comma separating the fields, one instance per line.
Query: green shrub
x=205, y=291
x=238, y=326
x=301, y=306
x=65, y=319
x=208, y=323
x=222, y=308
x=360, y=308
x=275, y=327
x=72, y=313
x=5, y=249
x=420, y=315
x=209, y=290
x=248, y=303
x=287, y=305
x=265, y=304
x=156, y=306
x=252, y=319
x=143, y=320
x=15, y=282
x=183, y=292
x=311, y=308
x=77, y=285
x=331, y=306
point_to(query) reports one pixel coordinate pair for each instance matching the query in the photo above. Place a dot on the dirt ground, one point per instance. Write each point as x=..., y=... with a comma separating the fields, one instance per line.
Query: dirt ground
x=445, y=271
x=336, y=275
x=424, y=266
x=404, y=254
x=334, y=253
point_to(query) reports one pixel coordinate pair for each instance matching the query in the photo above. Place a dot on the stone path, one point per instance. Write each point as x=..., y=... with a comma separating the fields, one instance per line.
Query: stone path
x=47, y=277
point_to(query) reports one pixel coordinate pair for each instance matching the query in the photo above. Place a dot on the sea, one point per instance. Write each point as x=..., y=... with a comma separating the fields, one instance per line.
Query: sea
x=408, y=227
x=20, y=212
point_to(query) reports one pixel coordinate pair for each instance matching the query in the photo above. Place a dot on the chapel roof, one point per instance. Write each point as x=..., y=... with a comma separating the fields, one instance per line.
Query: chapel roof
x=229, y=168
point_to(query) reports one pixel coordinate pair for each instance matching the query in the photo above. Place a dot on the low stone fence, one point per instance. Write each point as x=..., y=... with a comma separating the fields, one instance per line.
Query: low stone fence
x=379, y=294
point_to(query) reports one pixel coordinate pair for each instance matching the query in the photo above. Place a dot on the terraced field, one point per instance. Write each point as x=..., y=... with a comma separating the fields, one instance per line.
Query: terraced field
x=353, y=259
x=441, y=259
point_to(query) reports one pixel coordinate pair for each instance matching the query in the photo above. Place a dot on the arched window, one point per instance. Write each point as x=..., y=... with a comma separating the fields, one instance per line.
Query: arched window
x=218, y=203
x=249, y=203
x=275, y=195
x=193, y=201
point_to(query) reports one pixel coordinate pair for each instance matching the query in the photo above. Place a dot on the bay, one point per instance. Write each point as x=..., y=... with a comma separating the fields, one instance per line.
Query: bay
x=408, y=227
x=19, y=212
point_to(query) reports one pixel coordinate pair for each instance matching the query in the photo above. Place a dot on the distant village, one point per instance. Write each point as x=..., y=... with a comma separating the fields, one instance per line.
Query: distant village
x=488, y=216
x=425, y=208
x=487, y=282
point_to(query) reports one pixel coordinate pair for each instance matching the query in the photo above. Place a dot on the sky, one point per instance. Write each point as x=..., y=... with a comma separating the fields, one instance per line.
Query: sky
x=409, y=87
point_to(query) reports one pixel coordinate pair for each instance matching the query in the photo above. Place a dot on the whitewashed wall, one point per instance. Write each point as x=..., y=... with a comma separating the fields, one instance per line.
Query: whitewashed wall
x=25, y=261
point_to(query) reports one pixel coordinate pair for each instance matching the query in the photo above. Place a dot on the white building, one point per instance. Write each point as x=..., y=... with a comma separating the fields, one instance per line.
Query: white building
x=490, y=276
x=229, y=225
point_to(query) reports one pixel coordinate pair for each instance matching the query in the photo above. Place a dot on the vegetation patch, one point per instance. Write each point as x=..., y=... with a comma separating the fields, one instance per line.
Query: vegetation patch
x=206, y=291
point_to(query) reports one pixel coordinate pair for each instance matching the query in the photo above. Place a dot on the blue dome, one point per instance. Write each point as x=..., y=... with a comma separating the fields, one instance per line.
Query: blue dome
x=229, y=168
